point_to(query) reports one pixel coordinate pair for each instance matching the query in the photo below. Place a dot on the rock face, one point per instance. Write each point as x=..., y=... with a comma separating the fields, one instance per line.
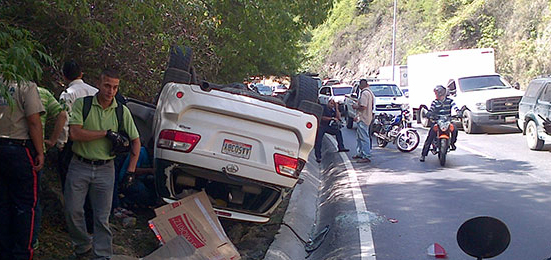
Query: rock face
x=519, y=31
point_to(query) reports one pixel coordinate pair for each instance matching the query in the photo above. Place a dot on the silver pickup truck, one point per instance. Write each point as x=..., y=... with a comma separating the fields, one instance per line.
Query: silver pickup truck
x=246, y=152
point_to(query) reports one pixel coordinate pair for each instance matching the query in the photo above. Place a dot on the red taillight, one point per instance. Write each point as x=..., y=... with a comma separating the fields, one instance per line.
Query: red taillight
x=178, y=141
x=309, y=125
x=285, y=165
x=179, y=94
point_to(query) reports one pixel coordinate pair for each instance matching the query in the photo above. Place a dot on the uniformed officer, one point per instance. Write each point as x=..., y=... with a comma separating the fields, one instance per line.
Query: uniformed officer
x=21, y=147
x=91, y=170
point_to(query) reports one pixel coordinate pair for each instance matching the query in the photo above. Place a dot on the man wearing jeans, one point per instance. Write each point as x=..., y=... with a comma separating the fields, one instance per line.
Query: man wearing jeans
x=92, y=170
x=364, y=116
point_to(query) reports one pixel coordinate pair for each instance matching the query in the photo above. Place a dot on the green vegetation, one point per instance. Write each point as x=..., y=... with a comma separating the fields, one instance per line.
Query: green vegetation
x=20, y=57
x=519, y=31
x=231, y=39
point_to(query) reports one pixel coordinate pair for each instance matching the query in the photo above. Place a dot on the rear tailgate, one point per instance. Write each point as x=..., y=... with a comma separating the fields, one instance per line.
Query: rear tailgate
x=235, y=131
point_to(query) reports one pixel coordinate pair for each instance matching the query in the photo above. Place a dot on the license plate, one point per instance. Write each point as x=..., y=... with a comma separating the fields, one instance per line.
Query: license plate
x=236, y=149
x=510, y=119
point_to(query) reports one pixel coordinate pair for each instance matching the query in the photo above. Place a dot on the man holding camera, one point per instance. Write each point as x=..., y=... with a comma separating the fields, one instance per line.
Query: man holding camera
x=97, y=132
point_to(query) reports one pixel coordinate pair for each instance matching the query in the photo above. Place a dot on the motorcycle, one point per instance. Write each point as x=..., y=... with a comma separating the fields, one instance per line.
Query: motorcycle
x=396, y=129
x=441, y=144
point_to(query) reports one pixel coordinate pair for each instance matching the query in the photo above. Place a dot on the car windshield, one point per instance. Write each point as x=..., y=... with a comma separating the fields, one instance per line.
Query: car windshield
x=386, y=90
x=341, y=91
x=482, y=83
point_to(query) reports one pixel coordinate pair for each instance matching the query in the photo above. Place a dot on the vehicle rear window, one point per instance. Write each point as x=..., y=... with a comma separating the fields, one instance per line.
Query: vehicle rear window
x=533, y=89
x=385, y=90
x=481, y=82
x=341, y=91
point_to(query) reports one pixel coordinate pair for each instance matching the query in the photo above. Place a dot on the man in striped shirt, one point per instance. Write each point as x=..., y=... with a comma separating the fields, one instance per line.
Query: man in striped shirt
x=441, y=106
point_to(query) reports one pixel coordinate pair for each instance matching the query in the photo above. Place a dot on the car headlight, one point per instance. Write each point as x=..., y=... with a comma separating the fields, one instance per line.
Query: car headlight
x=481, y=106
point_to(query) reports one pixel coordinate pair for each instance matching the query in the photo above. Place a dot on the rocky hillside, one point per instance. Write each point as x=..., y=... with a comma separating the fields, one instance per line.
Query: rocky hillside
x=356, y=39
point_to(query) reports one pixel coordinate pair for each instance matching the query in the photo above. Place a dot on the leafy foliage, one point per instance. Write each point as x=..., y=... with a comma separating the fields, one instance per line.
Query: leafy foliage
x=519, y=31
x=230, y=38
x=20, y=58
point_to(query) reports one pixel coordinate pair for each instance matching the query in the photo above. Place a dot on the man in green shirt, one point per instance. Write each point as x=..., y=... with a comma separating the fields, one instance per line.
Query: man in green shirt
x=53, y=110
x=92, y=170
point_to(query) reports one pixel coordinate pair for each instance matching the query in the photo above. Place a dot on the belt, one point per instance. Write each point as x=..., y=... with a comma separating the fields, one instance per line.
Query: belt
x=92, y=162
x=18, y=142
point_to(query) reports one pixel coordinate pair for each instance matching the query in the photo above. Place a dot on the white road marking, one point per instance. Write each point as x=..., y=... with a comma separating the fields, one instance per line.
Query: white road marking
x=367, y=247
x=473, y=151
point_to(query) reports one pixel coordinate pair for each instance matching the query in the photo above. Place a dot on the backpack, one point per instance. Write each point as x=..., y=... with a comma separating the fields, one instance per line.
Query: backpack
x=66, y=154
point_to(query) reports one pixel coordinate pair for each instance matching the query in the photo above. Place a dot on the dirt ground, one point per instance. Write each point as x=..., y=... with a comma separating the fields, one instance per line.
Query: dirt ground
x=251, y=240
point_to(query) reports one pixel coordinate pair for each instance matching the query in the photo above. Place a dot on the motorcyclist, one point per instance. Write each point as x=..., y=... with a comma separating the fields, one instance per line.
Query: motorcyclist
x=441, y=106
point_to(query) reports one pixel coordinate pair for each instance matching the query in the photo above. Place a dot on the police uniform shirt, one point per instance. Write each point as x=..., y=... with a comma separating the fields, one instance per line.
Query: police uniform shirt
x=13, y=120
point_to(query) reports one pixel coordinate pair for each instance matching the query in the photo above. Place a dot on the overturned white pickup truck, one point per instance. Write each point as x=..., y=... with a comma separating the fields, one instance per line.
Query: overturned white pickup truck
x=245, y=151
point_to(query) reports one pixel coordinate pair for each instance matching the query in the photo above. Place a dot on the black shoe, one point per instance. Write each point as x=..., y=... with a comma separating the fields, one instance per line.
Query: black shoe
x=344, y=150
x=318, y=160
x=452, y=147
x=422, y=158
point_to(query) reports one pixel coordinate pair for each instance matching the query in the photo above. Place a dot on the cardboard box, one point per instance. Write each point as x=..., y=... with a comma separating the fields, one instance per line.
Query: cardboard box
x=194, y=219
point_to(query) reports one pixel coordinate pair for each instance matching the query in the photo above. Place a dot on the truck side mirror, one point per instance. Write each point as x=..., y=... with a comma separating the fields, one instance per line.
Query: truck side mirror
x=516, y=85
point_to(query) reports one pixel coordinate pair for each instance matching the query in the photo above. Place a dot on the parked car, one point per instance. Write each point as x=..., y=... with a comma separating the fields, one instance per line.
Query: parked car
x=533, y=107
x=279, y=90
x=336, y=92
x=245, y=150
x=389, y=99
x=263, y=89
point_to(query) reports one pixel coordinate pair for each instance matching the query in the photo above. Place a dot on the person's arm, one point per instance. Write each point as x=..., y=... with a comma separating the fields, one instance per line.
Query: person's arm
x=134, y=155
x=337, y=113
x=59, y=124
x=35, y=132
x=77, y=133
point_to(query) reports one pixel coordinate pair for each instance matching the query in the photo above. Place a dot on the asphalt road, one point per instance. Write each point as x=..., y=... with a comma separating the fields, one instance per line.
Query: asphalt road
x=408, y=205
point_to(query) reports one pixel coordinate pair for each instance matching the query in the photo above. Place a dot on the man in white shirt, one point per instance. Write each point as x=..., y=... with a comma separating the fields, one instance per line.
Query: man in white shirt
x=76, y=89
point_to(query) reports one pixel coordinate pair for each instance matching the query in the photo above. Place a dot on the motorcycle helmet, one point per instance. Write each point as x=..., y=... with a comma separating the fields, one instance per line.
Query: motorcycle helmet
x=440, y=91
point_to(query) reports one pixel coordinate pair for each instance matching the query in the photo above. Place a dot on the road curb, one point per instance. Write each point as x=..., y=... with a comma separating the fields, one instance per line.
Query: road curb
x=300, y=215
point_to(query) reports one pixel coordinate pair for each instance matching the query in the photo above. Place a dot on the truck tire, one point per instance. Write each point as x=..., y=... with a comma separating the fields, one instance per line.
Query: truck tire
x=303, y=87
x=534, y=143
x=311, y=108
x=468, y=125
x=177, y=76
x=180, y=60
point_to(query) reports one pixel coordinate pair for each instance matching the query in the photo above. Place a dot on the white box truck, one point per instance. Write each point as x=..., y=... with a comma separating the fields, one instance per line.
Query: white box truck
x=400, y=76
x=483, y=96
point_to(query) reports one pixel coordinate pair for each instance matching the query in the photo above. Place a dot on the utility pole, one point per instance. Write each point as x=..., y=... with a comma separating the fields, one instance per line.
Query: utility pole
x=393, y=40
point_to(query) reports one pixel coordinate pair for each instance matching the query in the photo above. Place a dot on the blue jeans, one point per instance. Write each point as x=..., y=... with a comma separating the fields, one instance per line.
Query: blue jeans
x=364, y=141
x=98, y=183
x=319, y=139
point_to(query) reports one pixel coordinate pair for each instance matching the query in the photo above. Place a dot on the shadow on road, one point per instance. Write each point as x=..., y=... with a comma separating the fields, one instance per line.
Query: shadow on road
x=428, y=209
